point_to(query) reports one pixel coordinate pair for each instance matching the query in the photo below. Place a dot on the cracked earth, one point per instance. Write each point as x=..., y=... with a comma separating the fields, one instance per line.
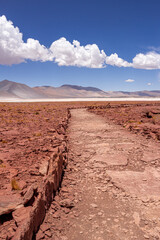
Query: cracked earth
x=111, y=187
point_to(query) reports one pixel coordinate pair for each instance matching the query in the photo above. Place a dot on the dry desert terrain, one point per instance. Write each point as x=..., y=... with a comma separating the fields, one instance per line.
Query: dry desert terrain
x=80, y=170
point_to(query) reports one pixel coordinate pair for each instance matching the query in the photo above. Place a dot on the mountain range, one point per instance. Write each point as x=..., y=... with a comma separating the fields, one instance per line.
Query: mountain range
x=12, y=90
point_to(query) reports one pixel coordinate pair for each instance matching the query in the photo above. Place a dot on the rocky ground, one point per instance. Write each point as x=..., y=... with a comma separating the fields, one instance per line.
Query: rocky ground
x=141, y=118
x=30, y=134
x=27, y=132
x=111, y=187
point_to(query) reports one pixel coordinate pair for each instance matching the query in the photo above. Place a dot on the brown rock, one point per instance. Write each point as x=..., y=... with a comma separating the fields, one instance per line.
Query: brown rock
x=10, y=233
x=44, y=227
x=66, y=210
x=31, y=224
x=136, y=218
x=48, y=233
x=149, y=156
x=9, y=203
x=49, y=189
x=67, y=203
x=40, y=235
x=56, y=215
x=21, y=214
x=144, y=190
x=22, y=184
x=29, y=194
x=44, y=168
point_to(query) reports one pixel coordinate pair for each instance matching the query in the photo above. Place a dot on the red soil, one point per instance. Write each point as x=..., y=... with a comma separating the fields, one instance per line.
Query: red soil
x=143, y=118
x=27, y=135
x=30, y=133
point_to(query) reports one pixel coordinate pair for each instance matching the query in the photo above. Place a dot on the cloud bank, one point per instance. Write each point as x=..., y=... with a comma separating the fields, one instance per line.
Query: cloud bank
x=13, y=50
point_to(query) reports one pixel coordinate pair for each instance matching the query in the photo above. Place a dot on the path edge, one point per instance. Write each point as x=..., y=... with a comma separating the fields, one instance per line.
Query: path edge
x=46, y=190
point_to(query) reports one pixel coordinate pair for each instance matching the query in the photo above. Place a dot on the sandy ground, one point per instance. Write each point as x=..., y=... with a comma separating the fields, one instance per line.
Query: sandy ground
x=79, y=99
x=111, y=187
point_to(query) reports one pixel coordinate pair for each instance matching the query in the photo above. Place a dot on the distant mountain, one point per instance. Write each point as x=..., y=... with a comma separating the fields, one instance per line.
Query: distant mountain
x=12, y=90
x=9, y=89
x=81, y=88
x=71, y=91
x=74, y=91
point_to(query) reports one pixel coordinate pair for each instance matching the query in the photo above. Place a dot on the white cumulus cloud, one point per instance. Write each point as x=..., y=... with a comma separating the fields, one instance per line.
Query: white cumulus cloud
x=67, y=54
x=150, y=60
x=114, y=60
x=129, y=80
x=14, y=50
x=149, y=84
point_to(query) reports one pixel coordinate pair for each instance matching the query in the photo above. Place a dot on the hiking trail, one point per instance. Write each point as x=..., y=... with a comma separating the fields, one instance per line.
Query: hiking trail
x=111, y=187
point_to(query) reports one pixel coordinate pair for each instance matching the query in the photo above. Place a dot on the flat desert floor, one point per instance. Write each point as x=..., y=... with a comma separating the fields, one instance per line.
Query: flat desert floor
x=80, y=100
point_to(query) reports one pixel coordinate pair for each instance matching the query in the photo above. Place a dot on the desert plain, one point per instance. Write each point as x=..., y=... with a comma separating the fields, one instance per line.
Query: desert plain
x=80, y=170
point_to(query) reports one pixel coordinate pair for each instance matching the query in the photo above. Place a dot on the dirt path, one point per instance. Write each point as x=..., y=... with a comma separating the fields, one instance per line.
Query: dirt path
x=111, y=188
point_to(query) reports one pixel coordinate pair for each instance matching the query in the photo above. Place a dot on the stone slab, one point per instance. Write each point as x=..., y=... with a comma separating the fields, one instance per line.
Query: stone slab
x=9, y=203
x=142, y=184
x=111, y=159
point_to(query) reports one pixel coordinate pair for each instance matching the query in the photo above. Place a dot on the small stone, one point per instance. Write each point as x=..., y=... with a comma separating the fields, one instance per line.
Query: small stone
x=29, y=194
x=104, y=190
x=100, y=214
x=93, y=205
x=136, y=218
x=66, y=210
x=44, y=227
x=67, y=203
x=62, y=238
x=56, y=215
x=44, y=168
x=116, y=220
x=146, y=236
x=48, y=233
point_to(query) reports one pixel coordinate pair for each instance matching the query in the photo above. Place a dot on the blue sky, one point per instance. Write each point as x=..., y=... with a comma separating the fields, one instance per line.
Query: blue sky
x=124, y=27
